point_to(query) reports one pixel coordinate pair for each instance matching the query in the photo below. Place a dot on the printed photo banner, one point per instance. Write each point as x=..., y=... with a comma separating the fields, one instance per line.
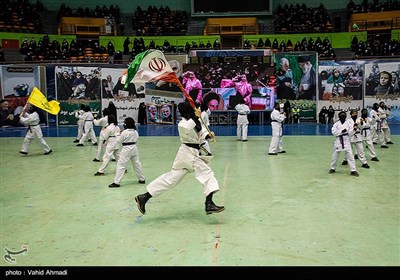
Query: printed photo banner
x=383, y=84
x=66, y=116
x=296, y=75
x=231, y=81
x=340, y=86
x=126, y=107
x=296, y=81
x=18, y=81
x=160, y=113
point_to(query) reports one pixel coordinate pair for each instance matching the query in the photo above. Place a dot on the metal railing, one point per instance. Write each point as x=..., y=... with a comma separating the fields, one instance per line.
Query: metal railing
x=216, y=29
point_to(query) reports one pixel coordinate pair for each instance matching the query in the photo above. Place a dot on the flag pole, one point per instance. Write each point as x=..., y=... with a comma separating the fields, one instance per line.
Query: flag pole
x=26, y=105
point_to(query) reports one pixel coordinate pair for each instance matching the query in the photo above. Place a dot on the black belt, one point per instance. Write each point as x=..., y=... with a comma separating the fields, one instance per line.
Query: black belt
x=128, y=143
x=29, y=126
x=111, y=136
x=192, y=145
x=243, y=114
x=274, y=121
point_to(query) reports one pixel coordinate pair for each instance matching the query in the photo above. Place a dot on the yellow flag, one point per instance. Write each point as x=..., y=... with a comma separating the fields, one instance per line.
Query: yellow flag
x=38, y=99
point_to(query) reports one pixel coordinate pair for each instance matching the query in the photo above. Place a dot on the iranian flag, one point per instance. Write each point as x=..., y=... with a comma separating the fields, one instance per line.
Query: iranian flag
x=152, y=66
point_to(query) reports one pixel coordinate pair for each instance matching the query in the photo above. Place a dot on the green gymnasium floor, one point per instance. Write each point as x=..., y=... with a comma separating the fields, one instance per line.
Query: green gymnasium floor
x=283, y=210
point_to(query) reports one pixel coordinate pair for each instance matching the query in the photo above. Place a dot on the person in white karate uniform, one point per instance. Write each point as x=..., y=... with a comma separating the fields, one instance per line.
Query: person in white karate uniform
x=88, y=130
x=377, y=132
x=277, y=119
x=367, y=123
x=103, y=122
x=31, y=120
x=343, y=129
x=79, y=122
x=110, y=134
x=187, y=160
x=128, y=152
x=242, y=120
x=356, y=139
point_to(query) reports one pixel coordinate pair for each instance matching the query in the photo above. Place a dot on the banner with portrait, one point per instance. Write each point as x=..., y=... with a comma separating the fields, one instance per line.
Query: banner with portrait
x=296, y=81
x=383, y=84
x=225, y=83
x=340, y=86
x=17, y=82
x=160, y=113
x=126, y=107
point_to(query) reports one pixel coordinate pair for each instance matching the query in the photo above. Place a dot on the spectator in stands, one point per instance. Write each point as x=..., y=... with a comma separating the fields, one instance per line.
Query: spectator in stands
x=121, y=29
x=2, y=58
x=287, y=108
x=126, y=46
x=323, y=115
x=217, y=45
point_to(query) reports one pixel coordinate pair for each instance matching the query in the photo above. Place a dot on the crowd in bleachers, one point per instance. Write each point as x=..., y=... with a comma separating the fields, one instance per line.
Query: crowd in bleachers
x=159, y=21
x=98, y=12
x=373, y=6
x=20, y=16
x=76, y=51
x=322, y=47
x=375, y=47
x=302, y=19
x=293, y=18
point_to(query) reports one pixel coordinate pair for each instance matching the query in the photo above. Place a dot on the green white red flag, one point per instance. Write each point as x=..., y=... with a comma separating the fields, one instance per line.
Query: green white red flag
x=152, y=66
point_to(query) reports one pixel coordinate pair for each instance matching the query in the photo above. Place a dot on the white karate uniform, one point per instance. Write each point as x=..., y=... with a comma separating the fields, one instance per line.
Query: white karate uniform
x=112, y=149
x=342, y=143
x=103, y=122
x=34, y=131
x=242, y=121
x=357, y=140
x=79, y=123
x=187, y=160
x=277, y=119
x=367, y=135
x=384, y=114
x=377, y=132
x=128, y=151
x=88, y=130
